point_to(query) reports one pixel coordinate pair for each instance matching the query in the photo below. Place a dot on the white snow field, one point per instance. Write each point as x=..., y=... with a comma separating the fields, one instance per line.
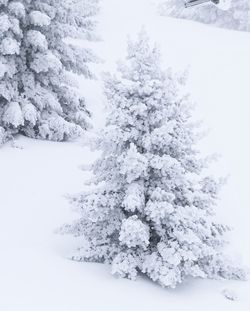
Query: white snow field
x=35, y=273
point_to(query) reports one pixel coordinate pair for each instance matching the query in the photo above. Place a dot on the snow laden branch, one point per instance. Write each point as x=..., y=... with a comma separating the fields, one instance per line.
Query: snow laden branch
x=150, y=209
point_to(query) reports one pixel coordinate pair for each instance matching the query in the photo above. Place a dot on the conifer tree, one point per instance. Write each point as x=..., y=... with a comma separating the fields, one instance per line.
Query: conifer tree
x=151, y=209
x=237, y=17
x=38, y=96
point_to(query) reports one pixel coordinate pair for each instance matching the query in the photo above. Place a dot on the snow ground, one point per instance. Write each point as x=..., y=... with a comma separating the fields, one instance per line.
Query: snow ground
x=35, y=273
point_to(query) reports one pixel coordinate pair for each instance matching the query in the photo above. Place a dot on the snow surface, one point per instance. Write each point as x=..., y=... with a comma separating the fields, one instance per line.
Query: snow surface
x=35, y=273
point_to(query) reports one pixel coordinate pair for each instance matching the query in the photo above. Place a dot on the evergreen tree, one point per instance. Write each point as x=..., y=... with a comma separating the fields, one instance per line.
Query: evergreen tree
x=237, y=17
x=151, y=209
x=38, y=96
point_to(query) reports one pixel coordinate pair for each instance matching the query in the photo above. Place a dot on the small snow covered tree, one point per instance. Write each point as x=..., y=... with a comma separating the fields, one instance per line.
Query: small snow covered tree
x=151, y=209
x=237, y=17
x=38, y=97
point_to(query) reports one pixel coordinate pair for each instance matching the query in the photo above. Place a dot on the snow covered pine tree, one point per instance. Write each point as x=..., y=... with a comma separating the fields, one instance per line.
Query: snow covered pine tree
x=237, y=17
x=150, y=210
x=37, y=96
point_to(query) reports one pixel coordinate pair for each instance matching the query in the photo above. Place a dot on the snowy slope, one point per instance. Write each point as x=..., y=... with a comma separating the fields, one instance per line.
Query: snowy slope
x=35, y=273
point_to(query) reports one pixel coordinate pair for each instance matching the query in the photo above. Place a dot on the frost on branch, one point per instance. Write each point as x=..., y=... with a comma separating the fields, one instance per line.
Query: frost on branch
x=134, y=233
x=35, y=66
x=38, y=18
x=13, y=115
x=9, y=46
x=151, y=208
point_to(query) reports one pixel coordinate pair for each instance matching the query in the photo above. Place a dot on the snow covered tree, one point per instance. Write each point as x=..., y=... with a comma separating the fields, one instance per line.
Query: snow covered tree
x=237, y=17
x=38, y=96
x=150, y=207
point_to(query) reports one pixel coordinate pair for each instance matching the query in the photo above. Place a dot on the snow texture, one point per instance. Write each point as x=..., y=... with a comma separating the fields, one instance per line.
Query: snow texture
x=229, y=294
